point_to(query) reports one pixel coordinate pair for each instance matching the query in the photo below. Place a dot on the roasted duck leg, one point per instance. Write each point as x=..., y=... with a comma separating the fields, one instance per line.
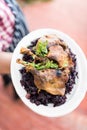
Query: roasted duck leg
x=47, y=79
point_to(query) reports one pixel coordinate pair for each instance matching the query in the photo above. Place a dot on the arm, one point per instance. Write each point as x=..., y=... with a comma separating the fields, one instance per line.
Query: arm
x=5, y=61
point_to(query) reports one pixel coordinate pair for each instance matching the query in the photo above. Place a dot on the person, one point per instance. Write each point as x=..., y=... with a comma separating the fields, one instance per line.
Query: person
x=13, y=28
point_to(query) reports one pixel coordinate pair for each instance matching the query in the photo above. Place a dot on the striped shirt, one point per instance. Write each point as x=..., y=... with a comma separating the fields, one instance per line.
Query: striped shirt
x=7, y=22
x=17, y=24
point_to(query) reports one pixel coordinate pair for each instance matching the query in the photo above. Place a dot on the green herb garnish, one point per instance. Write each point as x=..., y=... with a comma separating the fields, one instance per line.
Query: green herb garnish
x=41, y=48
x=43, y=65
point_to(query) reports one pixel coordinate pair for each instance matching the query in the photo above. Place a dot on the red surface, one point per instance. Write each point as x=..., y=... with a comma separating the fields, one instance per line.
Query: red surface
x=69, y=16
x=15, y=115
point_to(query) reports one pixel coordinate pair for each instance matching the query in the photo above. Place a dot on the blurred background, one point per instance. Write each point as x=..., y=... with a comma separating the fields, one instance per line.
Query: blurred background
x=69, y=16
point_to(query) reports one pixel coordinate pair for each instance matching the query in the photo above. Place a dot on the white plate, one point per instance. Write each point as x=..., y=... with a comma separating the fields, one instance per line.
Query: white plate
x=79, y=90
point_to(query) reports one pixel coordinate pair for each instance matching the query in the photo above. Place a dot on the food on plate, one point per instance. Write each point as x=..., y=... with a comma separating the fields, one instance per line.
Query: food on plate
x=51, y=67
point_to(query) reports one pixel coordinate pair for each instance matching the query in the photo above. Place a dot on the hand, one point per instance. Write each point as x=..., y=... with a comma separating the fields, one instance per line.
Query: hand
x=5, y=61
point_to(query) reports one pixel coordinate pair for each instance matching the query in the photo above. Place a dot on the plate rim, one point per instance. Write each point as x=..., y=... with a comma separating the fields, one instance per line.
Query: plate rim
x=33, y=107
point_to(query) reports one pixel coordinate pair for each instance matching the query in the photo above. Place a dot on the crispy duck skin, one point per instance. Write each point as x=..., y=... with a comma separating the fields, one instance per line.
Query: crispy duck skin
x=58, y=51
x=49, y=81
x=53, y=40
x=62, y=57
